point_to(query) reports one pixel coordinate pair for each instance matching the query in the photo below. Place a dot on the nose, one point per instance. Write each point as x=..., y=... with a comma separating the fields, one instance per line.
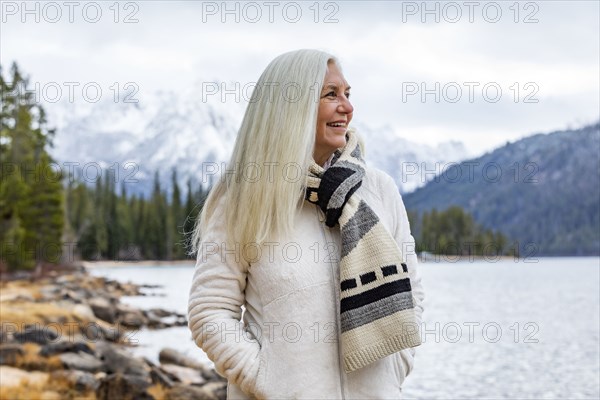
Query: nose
x=345, y=106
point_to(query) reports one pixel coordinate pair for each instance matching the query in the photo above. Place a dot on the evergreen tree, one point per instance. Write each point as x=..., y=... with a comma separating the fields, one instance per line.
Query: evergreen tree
x=177, y=218
x=31, y=195
x=454, y=232
x=112, y=222
x=125, y=213
x=157, y=223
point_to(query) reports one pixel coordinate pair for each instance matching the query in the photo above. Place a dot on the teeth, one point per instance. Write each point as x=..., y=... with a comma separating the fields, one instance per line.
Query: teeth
x=337, y=124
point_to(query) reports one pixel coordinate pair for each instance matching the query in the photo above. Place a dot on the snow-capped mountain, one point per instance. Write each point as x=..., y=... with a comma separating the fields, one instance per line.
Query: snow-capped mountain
x=165, y=130
x=411, y=164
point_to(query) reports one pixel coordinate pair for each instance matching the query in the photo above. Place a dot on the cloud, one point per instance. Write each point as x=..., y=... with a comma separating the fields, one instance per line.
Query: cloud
x=382, y=48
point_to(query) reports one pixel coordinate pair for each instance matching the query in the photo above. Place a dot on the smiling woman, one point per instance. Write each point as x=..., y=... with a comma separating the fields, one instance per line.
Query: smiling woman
x=334, y=116
x=305, y=288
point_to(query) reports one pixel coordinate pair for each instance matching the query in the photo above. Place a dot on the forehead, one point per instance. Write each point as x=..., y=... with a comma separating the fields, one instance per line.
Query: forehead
x=334, y=78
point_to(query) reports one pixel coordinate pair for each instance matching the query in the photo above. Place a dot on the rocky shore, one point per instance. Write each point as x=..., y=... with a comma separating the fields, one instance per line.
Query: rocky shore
x=67, y=336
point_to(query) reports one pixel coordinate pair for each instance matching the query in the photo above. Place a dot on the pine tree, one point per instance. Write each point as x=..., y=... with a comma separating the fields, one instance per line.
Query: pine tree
x=31, y=193
x=454, y=232
x=177, y=221
x=158, y=247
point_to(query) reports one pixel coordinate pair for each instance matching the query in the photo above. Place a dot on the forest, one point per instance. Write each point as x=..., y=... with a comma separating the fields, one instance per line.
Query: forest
x=50, y=215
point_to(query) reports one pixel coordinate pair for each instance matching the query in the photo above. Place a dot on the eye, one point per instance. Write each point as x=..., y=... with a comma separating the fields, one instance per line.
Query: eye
x=331, y=94
x=347, y=95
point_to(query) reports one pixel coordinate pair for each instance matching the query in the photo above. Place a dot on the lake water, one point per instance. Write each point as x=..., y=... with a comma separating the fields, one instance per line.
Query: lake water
x=493, y=330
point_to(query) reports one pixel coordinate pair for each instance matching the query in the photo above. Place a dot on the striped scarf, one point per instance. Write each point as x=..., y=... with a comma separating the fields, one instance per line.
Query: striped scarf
x=377, y=310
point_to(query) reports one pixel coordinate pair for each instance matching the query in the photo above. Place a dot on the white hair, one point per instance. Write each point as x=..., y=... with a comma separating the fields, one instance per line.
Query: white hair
x=275, y=143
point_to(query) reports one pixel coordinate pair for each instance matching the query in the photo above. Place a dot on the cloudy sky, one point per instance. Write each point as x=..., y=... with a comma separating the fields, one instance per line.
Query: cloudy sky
x=479, y=72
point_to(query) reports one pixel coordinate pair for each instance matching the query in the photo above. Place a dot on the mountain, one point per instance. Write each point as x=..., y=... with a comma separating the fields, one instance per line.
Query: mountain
x=164, y=130
x=542, y=191
x=135, y=139
x=411, y=164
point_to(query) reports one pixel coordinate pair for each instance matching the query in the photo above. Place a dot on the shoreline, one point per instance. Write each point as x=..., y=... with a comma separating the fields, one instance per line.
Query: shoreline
x=427, y=259
x=68, y=335
x=146, y=263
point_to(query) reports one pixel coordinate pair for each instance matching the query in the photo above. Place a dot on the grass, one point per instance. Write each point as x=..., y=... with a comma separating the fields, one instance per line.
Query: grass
x=32, y=361
x=55, y=388
x=159, y=392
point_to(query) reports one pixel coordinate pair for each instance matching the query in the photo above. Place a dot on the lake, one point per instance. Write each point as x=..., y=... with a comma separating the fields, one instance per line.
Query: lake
x=494, y=330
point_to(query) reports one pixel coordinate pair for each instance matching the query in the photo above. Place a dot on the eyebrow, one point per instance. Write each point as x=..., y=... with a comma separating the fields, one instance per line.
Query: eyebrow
x=333, y=86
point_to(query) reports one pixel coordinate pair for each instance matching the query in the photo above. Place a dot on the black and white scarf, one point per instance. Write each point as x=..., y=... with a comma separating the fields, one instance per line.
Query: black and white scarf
x=377, y=310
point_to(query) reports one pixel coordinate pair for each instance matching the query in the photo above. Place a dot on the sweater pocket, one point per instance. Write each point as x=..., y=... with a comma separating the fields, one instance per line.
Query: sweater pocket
x=257, y=389
x=260, y=388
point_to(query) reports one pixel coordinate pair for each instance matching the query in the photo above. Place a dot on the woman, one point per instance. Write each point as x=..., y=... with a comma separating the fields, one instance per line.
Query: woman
x=313, y=243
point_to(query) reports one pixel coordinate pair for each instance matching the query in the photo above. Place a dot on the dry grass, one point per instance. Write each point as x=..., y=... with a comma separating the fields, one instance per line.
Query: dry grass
x=16, y=289
x=32, y=361
x=25, y=312
x=51, y=387
x=54, y=388
x=159, y=392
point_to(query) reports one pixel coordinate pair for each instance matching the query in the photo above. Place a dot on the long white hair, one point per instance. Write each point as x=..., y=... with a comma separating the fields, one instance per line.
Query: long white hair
x=265, y=182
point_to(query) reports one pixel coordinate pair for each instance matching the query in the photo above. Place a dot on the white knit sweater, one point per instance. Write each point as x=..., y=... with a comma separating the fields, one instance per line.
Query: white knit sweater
x=286, y=345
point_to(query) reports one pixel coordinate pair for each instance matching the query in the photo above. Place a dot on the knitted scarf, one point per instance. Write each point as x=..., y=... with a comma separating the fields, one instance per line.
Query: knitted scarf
x=377, y=310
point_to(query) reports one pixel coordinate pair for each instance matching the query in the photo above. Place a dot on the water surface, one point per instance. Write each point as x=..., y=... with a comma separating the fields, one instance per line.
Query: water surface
x=494, y=330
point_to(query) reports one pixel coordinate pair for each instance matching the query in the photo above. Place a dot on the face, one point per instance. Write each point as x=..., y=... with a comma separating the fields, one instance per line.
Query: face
x=334, y=115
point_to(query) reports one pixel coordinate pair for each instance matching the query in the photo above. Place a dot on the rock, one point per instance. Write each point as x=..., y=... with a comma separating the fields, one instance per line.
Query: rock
x=211, y=375
x=154, y=320
x=36, y=335
x=158, y=376
x=103, y=309
x=185, y=375
x=10, y=376
x=118, y=360
x=130, y=317
x=76, y=295
x=65, y=346
x=49, y=292
x=83, y=312
x=101, y=330
x=65, y=279
x=81, y=380
x=81, y=361
x=9, y=353
x=122, y=386
x=217, y=389
x=183, y=392
x=172, y=356
x=159, y=313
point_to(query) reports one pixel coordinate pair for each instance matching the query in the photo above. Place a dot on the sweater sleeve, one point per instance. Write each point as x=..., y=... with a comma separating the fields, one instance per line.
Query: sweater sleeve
x=214, y=309
x=403, y=236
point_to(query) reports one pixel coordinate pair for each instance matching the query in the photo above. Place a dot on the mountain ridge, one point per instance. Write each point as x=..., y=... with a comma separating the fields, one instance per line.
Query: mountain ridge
x=543, y=191
x=166, y=130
